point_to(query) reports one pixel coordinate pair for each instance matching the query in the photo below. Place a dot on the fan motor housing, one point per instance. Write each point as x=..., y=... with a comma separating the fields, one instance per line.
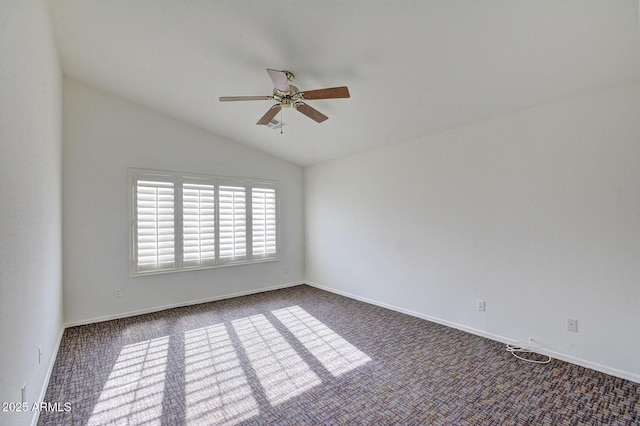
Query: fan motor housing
x=286, y=98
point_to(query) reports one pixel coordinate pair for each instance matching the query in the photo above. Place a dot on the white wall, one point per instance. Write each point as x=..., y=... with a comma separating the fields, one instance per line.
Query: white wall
x=30, y=202
x=538, y=213
x=105, y=135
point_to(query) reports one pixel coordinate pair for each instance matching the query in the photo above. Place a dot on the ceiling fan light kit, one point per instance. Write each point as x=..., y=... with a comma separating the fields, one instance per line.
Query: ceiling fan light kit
x=287, y=95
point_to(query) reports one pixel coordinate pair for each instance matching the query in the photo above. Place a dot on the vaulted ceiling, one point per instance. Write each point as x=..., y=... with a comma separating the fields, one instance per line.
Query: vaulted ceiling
x=413, y=67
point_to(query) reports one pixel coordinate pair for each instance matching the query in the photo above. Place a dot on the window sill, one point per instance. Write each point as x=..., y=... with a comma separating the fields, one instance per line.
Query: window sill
x=199, y=268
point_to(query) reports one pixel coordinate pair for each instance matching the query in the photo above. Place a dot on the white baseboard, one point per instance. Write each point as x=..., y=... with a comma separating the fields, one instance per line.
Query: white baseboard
x=47, y=378
x=557, y=355
x=180, y=305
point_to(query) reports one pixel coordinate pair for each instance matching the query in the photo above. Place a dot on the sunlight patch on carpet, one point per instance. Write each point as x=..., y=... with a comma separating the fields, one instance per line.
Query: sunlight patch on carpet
x=134, y=390
x=216, y=389
x=281, y=371
x=336, y=354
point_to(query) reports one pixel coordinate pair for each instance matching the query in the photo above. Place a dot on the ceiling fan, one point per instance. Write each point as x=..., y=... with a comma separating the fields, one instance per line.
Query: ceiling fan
x=287, y=95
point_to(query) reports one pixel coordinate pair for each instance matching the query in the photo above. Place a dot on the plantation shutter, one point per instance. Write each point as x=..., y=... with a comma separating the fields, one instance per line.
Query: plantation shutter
x=155, y=245
x=232, y=223
x=263, y=217
x=182, y=222
x=198, y=224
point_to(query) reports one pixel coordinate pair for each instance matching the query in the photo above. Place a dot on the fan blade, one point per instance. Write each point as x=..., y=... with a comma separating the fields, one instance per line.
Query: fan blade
x=279, y=79
x=328, y=93
x=244, y=98
x=312, y=113
x=273, y=111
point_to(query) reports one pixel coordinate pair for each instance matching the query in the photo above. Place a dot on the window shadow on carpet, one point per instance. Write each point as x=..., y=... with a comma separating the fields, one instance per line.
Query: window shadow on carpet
x=230, y=369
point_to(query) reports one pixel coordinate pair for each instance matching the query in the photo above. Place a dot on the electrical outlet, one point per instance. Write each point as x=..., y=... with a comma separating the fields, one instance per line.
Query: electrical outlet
x=572, y=325
x=117, y=293
x=480, y=305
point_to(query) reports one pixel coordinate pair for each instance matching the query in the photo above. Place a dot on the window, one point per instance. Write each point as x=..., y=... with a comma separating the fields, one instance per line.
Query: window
x=182, y=222
x=155, y=225
x=263, y=215
x=233, y=222
x=198, y=224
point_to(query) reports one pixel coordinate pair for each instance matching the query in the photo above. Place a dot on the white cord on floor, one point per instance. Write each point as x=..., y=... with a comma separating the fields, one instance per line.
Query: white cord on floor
x=522, y=347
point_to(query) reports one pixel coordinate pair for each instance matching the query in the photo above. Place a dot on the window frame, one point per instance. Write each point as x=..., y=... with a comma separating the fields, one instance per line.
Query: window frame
x=178, y=179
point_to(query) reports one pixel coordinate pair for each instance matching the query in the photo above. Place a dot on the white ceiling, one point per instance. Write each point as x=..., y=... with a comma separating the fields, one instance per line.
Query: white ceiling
x=413, y=67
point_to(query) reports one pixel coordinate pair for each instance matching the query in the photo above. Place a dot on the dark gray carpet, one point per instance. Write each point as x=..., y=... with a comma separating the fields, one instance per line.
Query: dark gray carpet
x=305, y=356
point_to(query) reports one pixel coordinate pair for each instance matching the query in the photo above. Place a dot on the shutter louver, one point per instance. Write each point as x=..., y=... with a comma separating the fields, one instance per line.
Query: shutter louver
x=263, y=218
x=198, y=228
x=155, y=225
x=232, y=223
